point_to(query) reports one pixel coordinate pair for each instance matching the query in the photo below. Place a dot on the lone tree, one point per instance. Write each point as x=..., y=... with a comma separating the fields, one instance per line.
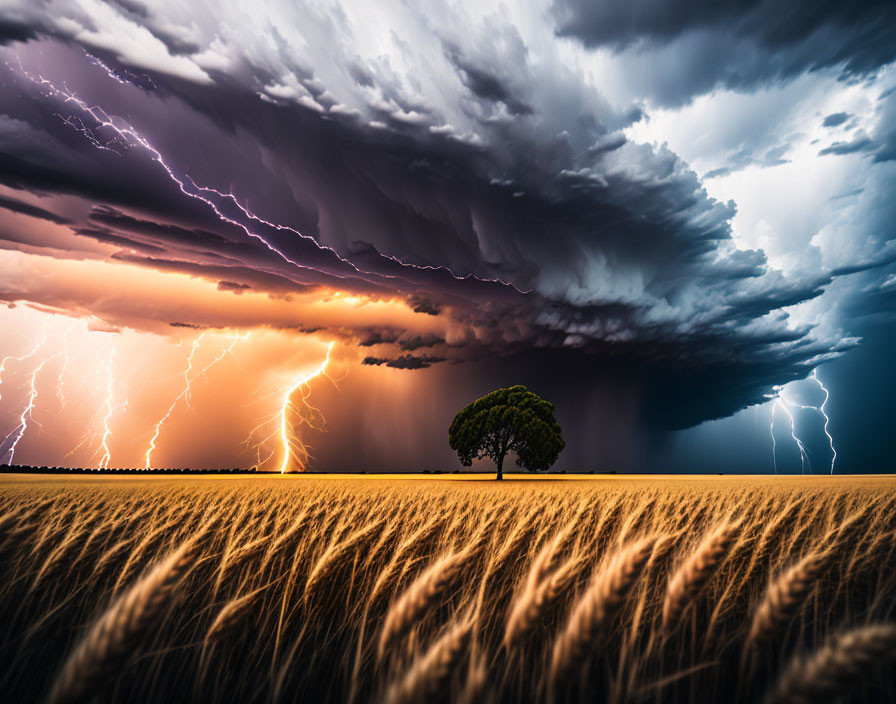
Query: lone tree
x=507, y=420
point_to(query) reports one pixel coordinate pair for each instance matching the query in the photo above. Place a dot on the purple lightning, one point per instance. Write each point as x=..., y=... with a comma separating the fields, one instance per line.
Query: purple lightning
x=102, y=418
x=109, y=410
x=21, y=358
x=122, y=77
x=125, y=136
x=157, y=429
x=17, y=432
x=185, y=394
x=252, y=216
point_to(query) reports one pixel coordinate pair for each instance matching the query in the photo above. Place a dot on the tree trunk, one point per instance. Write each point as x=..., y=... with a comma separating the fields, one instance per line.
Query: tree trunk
x=500, y=468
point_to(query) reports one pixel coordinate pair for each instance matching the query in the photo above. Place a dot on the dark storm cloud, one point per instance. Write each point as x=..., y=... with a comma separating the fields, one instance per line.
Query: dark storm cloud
x=619, y=26
x=620, y=250
x=17, y=206
x=40, y=152
x=272, y=284
x=736, y=44
x=885, y=135
x=422, y=304
x=378, y=337
x=881, y=142
x=484, y=84
x=835, y=118
x=161, y=232
x=11, y=31
x=407, y=361
x=860, y=144
x=133, y=7
x=417, y=341
x=233, y=287
x=427, y=192
x=101, y=234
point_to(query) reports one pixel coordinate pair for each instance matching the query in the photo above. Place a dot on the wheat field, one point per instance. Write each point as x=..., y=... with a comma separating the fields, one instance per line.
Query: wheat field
x=381, y=589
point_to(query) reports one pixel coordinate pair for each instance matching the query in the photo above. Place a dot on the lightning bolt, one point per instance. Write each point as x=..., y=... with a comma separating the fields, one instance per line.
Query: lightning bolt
x=21, y=358
x=779, y=400
x=288, y=436
x=123, y=77
x=821, y=410
x=784, y=405
x=186, y=391
x=126, y=136
x=281, y=228
x=16, y=433
x=109, y=408
x=185, y=394
x=827, y=420
x=771, y=430
x=99, y=428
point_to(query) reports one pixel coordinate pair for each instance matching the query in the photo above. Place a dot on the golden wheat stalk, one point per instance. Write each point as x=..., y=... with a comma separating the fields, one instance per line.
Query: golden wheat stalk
x=56, y=526
x=120, y=631
x=531, y=605
x=831, y=671
x=387, y=536
x=241, y=555
x=134, y=558
x=231, y=616
x=689, y=579
x=65, y=546
x=430, y=673
x=110, y=554
x=401, y=560
x=545, y=560
x=332, y=558
x=512, y=541
x=9, y=521
x=592, y=615
x=636, y=520
x=784, y=597
x=105, y=527
x=284, y=539
x=662, y=548
x=420, y=597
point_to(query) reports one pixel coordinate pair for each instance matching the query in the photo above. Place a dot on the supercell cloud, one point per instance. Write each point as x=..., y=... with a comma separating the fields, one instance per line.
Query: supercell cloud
x=680, y=206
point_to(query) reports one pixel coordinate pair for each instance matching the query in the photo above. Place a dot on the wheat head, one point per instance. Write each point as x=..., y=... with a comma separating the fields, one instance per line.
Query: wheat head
x=430, y=673
x=784, y=597
x=121, y=629
x=832, y=670
x=421, y=596
x=689, y=579
x=605, y=596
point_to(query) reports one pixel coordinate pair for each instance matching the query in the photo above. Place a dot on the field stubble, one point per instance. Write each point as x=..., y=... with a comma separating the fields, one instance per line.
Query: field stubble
x=312, y=589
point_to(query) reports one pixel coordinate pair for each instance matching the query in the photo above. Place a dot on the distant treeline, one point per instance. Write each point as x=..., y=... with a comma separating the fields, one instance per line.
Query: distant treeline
x=32, y=469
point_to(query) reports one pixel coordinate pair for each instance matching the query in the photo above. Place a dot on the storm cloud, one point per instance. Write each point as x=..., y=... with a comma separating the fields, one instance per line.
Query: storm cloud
x=471, y=172
x=738, y=44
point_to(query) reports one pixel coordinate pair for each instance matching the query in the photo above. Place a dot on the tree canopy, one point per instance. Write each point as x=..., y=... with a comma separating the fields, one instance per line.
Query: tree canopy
x=507, y=420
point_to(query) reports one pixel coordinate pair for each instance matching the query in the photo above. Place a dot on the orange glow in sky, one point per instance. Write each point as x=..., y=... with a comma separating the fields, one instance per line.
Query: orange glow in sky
x=119, y=365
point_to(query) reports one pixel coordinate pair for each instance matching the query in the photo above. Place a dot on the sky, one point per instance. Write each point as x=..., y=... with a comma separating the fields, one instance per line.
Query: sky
x=302, y=235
